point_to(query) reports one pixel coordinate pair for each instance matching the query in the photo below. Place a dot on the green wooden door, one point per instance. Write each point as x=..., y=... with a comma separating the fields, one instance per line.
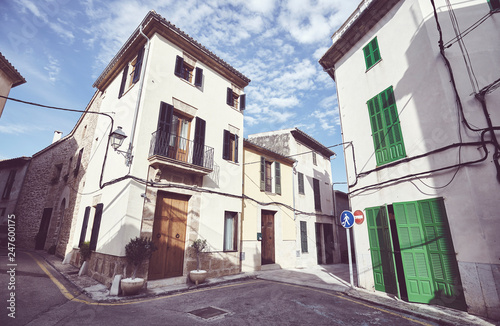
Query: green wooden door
x=444, y=266
x=418, y=276
x=384, y=271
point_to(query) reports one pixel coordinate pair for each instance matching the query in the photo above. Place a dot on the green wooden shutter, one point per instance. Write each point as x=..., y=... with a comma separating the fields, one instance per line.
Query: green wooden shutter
x=443, y=262
x=300, y=177
x=386, y=128
x=96, y=226
x=124, y=80
x=262, y=173
x=494, y=4
x=83, y=233
x=138, y=66
x=179, y=67
x=417, y=271
x=384, y=270
x=198, y=79
x=277, y=177
x=226, y=145
x=317, y=195
x=372, y=53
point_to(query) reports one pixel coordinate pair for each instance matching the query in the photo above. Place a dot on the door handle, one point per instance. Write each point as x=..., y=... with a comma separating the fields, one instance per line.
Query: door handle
x=177, y=236
x=158, y=235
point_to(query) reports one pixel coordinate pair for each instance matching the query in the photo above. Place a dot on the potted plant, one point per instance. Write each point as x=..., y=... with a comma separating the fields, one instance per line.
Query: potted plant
x=198, y=275
x=136, y=251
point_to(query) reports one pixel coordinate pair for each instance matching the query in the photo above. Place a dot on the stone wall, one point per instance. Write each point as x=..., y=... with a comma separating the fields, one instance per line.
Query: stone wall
x=52, y=181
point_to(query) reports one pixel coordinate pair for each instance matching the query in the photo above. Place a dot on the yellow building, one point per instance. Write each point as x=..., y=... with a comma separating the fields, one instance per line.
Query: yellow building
x=268, y=223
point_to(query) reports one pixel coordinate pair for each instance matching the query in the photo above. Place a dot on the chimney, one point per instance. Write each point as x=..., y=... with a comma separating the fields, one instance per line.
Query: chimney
x=57, y=136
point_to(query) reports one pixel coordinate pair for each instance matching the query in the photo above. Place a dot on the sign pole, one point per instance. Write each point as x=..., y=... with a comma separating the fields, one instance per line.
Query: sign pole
x=351, y=276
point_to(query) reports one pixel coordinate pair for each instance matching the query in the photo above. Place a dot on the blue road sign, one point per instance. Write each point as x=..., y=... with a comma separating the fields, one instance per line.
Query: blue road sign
x=347, y=219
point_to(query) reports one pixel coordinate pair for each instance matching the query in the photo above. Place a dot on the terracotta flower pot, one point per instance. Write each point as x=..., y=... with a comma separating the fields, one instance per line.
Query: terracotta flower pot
x=198, y=276
x=131, y=286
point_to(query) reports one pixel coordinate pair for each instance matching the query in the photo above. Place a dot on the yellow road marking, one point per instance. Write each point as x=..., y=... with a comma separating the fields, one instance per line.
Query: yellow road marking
x=71, y=297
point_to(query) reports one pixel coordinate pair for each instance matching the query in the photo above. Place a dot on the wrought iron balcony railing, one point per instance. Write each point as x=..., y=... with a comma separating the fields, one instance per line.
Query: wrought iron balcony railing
x=182, y=150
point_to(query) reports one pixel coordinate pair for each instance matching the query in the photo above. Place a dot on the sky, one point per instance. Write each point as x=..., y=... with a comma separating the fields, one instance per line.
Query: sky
x=61, y=46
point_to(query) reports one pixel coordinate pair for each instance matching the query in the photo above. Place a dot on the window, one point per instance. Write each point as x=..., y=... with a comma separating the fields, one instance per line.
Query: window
x=301, y=183
x=9, y=184
x=303, y=236
x=266, y=176
x=315, y=161
x=230, y=147
x=83, y=233
x=57, y=173
x=78, y=162
x=232, y=99
x=494, y=4
x=386, y=130
x=230, y=231
x=317, y=195
x=184, y=69
x=135, y=73
x=371, y=53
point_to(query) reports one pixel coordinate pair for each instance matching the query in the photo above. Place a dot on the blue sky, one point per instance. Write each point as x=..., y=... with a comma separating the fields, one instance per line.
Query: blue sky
x=61, y=46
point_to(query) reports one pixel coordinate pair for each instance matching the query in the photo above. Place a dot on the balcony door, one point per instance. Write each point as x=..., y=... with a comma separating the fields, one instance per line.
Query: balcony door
x=178, y=144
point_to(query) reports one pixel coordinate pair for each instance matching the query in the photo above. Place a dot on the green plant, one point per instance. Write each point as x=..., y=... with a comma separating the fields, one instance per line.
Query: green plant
x=85, y=250
x=199, y=245
x=138, y=250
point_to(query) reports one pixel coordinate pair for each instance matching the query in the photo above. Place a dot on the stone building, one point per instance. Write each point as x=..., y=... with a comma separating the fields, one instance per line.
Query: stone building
x=50, y=193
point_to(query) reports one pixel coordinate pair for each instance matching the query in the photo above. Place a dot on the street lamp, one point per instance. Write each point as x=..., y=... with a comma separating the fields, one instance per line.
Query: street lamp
x=117, y=138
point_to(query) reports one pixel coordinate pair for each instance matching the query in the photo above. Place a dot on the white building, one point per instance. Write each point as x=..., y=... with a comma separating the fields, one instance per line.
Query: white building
x=317, y=234
x=173, y=178
x=9, y=77
x=422, y=159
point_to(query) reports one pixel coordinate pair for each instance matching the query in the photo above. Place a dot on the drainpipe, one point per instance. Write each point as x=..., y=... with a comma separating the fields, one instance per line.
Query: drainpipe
x=136, y=111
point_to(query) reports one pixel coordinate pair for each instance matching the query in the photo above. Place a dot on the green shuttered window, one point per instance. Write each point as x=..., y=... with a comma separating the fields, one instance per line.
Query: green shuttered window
x=386, y=129
x=371, y=53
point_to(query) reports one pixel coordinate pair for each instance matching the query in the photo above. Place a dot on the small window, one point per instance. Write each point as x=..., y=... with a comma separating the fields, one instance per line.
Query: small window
x=230, y=147
x=230, y=231
x=301, y=183
x=78, y=162
x=131, y=73
x=371, y=53
x=266, y=176
x=303, y=236
x=9, y=184
x=235, y=100
x=315, y=162
x=185, y=69
x=494, y=4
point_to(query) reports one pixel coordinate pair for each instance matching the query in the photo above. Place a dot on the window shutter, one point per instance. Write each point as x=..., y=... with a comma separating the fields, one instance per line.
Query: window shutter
x=226, y=151
x=262, y=174
x=301, y=183
x=179, y=63
x=242, y=101
x=164, y=126
x=124, y=80
x=236, y=138
x=229, y=97
x=277, y=177
x=83, y=233
x=372, y=53
x=198, y=79
x=78, y=162
x=138, y=66
x=96, y=226
x=494, y=4
x=303, y=236
x=317, y=196
x=199, y=142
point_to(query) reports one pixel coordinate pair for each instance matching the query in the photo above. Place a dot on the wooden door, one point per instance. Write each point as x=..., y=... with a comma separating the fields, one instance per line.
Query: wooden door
x=169, y=234
x=267, y=254
x=41, y=237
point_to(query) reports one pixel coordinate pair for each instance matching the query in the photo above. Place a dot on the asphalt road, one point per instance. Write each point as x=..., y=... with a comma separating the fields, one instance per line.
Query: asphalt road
x=43, y=297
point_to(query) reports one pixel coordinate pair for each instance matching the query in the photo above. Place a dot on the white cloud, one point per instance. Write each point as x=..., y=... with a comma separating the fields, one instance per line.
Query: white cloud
x=14, y=129
x=53, y=68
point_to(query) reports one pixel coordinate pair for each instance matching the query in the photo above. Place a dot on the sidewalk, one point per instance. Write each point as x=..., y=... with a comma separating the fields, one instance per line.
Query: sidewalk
x=324, y=277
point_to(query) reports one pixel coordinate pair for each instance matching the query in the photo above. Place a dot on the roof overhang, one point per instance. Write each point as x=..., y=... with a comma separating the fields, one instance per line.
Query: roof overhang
x=11, y=72
x=368, y=13
x=154, y=23
x=247, y=144
x=310, y=142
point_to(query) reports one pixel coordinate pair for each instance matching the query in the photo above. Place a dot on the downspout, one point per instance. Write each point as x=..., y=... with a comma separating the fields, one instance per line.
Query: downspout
x=136, y=111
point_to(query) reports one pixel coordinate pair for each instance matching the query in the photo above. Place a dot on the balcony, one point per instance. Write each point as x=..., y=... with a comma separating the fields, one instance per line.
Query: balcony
x=180, y=154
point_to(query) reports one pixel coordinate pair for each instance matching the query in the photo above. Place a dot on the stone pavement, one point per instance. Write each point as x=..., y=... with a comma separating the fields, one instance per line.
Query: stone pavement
x=325, y=277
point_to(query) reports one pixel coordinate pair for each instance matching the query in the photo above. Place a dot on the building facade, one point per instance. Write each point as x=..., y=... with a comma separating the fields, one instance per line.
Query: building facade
x=9, y=78
x=422, y=154
x=317, y=233
x=173, y=178
x=268, y=223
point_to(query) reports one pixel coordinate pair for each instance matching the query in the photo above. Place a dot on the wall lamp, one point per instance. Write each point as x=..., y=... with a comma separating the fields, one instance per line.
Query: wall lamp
x=117, y=137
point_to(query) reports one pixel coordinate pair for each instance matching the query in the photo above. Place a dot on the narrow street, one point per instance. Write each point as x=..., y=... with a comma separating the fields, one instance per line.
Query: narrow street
x=43, y=297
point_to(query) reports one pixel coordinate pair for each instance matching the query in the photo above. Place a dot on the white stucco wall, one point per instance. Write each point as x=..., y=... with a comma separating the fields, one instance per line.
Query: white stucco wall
x=411, y=63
